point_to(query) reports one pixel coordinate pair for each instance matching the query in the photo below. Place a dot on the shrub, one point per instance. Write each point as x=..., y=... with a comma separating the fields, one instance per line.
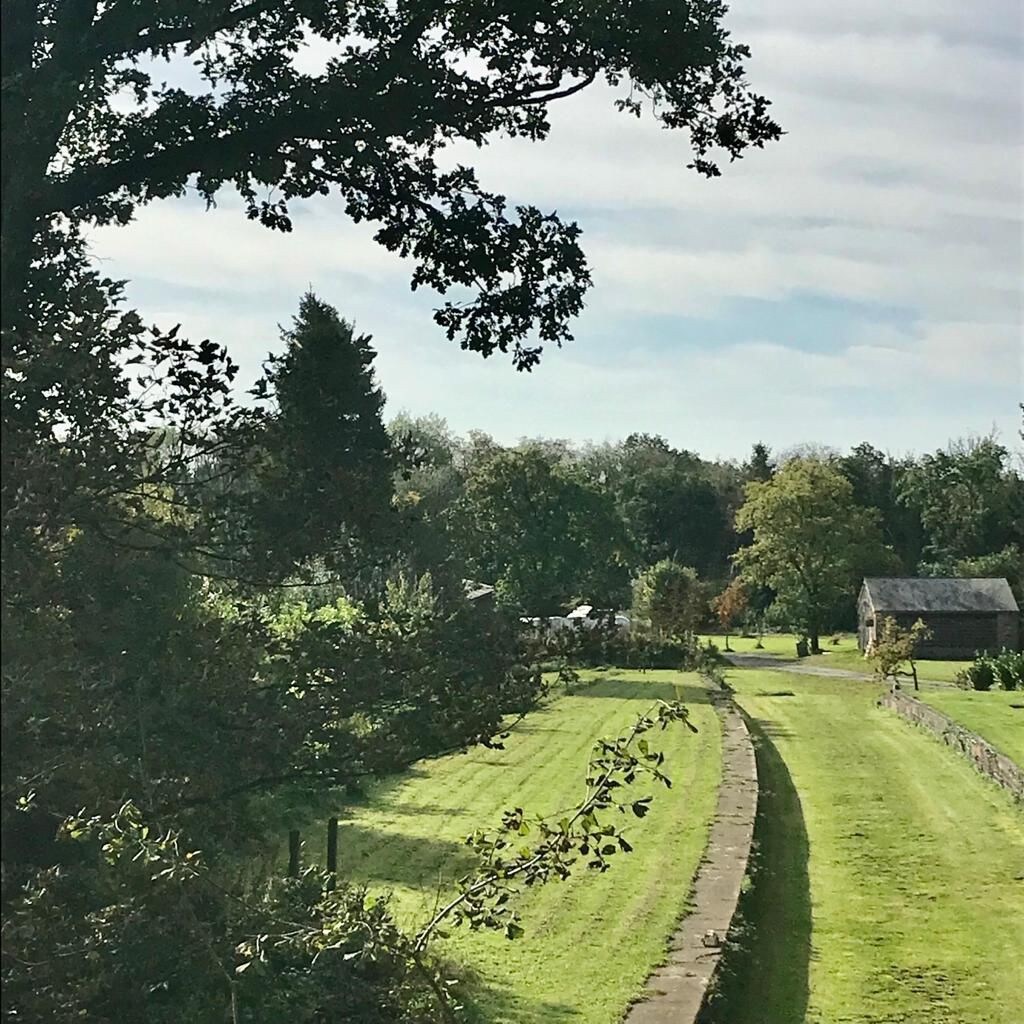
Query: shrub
x=981, y=674
x=1009, y=667
x=606, y=645
x=1005, y=669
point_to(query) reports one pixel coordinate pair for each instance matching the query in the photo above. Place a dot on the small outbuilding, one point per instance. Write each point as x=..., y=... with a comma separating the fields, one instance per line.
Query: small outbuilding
x=965, y=616
x=479, y=593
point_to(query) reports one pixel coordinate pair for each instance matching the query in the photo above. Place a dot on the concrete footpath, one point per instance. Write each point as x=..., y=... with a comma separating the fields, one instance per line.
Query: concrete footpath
x=675, y=991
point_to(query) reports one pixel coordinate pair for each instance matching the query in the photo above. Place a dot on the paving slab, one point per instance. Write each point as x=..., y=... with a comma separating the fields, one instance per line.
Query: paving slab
x=675, y=992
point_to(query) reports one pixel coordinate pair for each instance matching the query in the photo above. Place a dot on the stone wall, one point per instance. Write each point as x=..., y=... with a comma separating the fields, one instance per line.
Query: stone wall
x=676, y=991
x=985, y=758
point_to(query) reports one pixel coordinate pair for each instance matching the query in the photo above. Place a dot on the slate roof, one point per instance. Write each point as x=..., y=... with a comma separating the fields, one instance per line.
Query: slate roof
x=475, y=591
x=911, y=594
x=582, y=612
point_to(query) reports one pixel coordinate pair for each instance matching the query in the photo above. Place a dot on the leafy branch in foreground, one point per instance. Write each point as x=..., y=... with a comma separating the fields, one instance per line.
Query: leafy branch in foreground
x=179, y=939
x=92, y=132
x=507, y=863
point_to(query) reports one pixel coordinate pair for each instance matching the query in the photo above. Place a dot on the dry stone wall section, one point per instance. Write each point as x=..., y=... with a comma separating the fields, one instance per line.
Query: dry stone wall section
x=985, y=758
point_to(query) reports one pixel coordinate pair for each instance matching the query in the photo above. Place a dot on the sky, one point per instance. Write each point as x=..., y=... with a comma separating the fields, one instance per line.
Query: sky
x=861, y=279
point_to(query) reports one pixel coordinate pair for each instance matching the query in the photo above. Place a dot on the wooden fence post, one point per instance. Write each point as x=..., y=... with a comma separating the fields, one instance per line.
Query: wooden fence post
x=332, y=845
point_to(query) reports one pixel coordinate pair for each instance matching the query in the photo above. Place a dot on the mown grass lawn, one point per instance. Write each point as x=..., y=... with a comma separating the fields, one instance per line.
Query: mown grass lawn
x=783, y=644
x=989, y=714
x=590, y=942
x=890, y=879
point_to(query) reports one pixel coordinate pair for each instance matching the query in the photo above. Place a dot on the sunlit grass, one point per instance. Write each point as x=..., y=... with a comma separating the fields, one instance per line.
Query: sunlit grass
x=989, y=714
x=842, y=655
x=909, y=861
x=590, y=942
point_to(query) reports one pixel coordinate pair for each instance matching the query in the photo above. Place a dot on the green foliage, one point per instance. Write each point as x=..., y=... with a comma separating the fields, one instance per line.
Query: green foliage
x=291, y=619
x=147, y=664
x=759, y=466
x=429, y=482
x=109, y=424
x=672, y=505
x=91, y=133
x=144, y=931
x=324, y=480
x=201, y=708
x=1005, y=670
x=668, y=597
x=878, y=480
x=810, y=541
x=297, y=947
x=542, y=533
x=967, y=500
x=894, y=650
x=605, y=645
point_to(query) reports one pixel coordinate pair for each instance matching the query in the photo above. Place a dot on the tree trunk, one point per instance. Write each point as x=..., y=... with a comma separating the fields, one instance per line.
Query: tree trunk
x=19, y=227
x=815, y=645
x=17, y=38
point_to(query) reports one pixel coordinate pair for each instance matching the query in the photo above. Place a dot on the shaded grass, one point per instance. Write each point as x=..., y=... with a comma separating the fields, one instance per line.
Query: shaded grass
x=590, y=942
x=989, y=714
x=764, y=976
x=915, y=867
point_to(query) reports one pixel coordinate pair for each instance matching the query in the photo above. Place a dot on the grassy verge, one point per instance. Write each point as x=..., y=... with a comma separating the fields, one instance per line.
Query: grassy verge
x=590, y=942
x=765, y=976
x=843, y=655
x=910, y=863
x=990, y=715
x=852, y=660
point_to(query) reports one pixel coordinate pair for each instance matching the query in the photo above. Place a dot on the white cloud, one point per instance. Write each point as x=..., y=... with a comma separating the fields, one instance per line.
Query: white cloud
x=898, y=184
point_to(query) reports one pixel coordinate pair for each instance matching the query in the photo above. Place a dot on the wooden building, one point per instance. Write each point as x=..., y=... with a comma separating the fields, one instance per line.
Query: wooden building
x=964, y=615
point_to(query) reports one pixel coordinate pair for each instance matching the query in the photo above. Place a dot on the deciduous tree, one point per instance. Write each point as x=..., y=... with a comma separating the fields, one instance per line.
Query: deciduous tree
x=730, y=606
x=542, y=532
x=895, y=649
x=671, y=506
x=810, y=540
x=90, y=131
x=969, y=502
x=667, y=595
